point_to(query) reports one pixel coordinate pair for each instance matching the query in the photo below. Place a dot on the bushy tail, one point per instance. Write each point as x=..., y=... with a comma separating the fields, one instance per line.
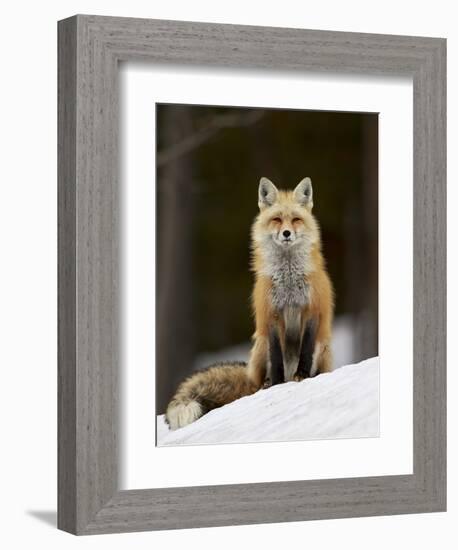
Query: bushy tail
x=208, y=389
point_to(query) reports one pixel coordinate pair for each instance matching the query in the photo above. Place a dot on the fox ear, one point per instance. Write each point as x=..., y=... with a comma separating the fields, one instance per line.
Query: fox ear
x=267, y=193
x=303, y=194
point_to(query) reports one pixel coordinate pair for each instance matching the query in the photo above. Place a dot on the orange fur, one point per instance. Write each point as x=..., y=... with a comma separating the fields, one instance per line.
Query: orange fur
x=321, y=305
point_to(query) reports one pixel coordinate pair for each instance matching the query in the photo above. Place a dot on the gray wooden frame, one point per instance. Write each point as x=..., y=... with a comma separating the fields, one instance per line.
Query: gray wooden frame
x=90, y=48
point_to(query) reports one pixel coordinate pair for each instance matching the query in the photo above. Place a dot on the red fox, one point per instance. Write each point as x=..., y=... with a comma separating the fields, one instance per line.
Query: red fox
x=293, y=303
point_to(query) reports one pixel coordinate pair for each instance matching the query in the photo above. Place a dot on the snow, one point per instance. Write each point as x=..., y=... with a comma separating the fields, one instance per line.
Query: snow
x=340, y=404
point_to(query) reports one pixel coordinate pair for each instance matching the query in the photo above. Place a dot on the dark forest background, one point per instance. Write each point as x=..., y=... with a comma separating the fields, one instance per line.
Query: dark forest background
x=209, y=162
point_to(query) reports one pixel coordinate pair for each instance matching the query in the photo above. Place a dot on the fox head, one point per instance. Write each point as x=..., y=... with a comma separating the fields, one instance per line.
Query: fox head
x=285, y=218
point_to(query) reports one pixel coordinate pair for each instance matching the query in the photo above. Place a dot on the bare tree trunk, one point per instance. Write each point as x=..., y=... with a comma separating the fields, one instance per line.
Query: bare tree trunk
x=353, y=269
x=361, y=247
x=369, y=336
x=174, y=335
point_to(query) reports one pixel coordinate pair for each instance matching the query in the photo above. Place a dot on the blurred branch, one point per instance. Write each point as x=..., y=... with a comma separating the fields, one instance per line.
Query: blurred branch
x=195, y=140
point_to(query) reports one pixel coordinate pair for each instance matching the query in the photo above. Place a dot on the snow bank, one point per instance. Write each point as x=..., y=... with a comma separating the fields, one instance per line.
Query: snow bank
x=341, y=404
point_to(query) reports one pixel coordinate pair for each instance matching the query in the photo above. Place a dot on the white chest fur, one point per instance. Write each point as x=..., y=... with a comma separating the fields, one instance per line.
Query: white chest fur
x=290, y=293
x=287, y=270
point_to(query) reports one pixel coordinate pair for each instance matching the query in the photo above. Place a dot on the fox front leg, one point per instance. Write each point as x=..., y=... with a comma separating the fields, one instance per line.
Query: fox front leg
x=304, y=366
x=277, y=373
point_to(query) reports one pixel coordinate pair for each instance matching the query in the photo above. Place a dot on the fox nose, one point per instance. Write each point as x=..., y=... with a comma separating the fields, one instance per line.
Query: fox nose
x=286, y=233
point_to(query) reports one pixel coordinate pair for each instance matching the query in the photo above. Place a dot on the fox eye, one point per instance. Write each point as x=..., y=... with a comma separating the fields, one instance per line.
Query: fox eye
x=296, y=220
x=276, y=220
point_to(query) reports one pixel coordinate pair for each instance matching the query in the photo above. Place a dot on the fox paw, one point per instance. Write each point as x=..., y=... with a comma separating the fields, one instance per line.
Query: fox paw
x=298, y=377
x=267, y=384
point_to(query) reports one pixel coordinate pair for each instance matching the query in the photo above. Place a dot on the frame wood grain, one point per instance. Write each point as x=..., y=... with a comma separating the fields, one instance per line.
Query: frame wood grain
x=90, y=49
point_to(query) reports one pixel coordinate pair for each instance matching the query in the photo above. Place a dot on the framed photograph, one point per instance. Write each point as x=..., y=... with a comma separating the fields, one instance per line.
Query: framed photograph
x=217, y=205
x=252, y=265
